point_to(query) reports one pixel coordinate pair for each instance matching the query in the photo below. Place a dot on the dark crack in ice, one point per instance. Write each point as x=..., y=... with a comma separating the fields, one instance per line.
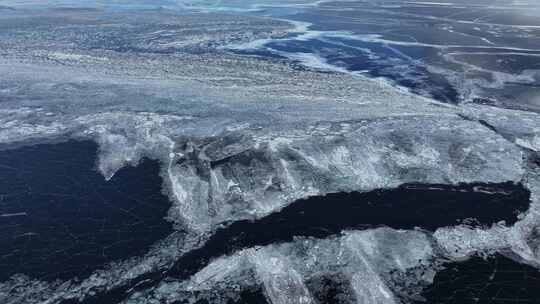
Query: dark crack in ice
x=408, y=207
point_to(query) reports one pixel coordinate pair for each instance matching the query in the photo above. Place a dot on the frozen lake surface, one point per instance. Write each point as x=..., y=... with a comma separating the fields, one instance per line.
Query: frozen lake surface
x=270, y=151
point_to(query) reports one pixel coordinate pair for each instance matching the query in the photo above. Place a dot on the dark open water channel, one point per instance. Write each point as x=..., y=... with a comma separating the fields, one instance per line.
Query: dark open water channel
x=59, y=218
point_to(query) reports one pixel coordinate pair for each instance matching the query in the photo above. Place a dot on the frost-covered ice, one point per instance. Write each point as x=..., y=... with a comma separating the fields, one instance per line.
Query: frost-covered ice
x=367, y=262
x=242, y=137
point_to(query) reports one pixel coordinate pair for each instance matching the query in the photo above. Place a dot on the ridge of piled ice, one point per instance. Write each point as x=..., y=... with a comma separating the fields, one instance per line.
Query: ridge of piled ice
x=249, y=172
x=264, y=172
x=368, y=260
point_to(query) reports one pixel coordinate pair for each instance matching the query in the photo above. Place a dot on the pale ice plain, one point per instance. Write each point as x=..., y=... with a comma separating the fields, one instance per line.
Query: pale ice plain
x=241, y=137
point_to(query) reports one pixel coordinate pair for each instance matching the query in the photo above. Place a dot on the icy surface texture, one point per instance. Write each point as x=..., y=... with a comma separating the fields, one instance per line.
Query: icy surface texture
x=148, y=32
x=366, y=261
x=244, y=137
x=263, y=173
x=525, y=134
x=520, y=240
x=241, y=137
